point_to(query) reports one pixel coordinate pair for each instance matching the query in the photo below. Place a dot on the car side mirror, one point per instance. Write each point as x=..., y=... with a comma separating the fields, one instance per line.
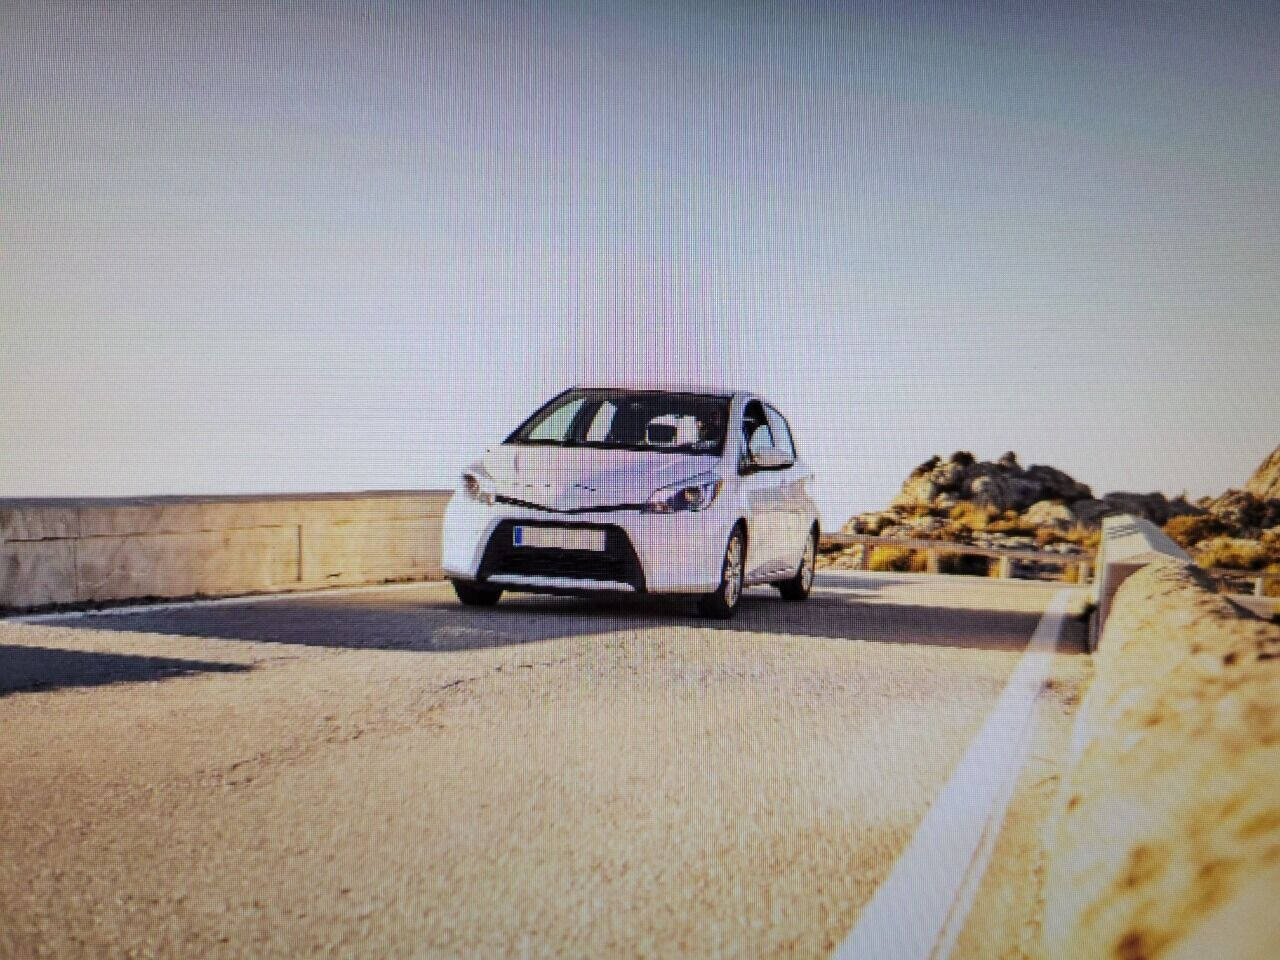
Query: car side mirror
x=770, y=458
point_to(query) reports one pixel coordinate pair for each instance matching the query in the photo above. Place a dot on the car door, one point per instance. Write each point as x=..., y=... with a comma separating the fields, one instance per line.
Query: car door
x=795, y=522
x=766, y=503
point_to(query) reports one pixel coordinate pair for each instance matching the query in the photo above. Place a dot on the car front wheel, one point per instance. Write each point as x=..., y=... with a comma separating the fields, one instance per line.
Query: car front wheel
x=798, y=587
x=723, y=603
x=475, y=594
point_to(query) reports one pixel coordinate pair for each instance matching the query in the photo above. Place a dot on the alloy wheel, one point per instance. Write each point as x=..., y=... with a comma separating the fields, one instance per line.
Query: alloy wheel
x=733, y=570
x=807, y=564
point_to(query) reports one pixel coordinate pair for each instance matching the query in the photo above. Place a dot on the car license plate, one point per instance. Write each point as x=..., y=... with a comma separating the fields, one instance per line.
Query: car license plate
x=559, y=538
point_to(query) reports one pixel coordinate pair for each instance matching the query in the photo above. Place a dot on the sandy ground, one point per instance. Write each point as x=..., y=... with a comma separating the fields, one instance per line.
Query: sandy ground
x=389, y=774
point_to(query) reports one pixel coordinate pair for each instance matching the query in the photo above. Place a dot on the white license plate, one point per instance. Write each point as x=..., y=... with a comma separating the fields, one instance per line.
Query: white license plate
x=560, y=538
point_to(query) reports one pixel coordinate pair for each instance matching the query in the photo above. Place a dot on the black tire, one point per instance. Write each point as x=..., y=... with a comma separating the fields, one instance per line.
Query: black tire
x=798, y=587
x=723, y=603
x=476, y=594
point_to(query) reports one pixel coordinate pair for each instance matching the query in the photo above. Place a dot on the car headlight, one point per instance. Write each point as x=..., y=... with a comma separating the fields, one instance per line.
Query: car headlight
x=696, y=493
x=479, y=486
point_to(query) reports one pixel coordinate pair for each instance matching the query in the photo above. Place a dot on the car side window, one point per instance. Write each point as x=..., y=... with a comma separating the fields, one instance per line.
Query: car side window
x=601, y=422
x=781, y=432
x=755, y=427
x=556, y=427
x=761, y=439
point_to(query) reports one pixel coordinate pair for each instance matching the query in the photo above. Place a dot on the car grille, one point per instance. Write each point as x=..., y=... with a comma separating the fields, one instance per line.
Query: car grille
x=617, y=562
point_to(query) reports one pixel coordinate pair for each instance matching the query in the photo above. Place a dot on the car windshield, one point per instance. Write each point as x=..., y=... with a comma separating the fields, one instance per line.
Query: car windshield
x=629, y=420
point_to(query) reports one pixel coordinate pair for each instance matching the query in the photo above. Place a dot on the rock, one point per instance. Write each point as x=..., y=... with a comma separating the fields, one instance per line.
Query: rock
x=1149, y=506
x=948, y=476
x=1049, y=513
x=1089, y=513
x=1180, y=507
x=1023, y=492
x=1059, y=485
x=869, y=524
x=988, y=492
x=925, y=467
x=1265, y=482
x=925, y=524
x=917, y=491
x=1245, y=512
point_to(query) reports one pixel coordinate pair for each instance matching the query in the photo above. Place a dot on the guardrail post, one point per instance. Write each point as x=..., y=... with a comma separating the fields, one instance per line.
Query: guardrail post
x=932, y=562
x=1258, y=586
x=1004, y=568
x=1082, y=572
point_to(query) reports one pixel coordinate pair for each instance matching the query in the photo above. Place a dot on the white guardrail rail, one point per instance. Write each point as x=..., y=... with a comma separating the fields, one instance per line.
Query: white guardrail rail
x=1128, y=544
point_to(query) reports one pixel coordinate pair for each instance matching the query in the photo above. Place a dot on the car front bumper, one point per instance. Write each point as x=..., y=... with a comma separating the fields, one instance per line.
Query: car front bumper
x=676, y=553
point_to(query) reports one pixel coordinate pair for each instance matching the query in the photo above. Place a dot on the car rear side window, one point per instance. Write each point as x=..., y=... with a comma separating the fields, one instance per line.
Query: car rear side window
x=755, y=427
x=781, y=432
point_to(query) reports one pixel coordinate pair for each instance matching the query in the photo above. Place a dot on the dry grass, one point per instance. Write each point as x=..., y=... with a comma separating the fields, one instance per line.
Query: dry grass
x=897, y=560
x=972, y=516
x=1048, y=535
x=1229, y=554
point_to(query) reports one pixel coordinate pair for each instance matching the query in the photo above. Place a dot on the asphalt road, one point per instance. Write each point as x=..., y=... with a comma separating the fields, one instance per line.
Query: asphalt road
x=385, y=773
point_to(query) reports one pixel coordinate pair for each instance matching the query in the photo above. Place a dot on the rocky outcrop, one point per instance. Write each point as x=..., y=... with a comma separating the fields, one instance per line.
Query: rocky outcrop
x=1265, y=482
x=1003, y=504
x=1243, y=512
x=1000, y=503
x=999, y=485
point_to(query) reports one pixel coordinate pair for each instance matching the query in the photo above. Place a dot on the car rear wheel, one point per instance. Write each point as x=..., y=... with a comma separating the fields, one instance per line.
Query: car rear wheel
x=723, y=603
x=475, y=594
x=798, y=587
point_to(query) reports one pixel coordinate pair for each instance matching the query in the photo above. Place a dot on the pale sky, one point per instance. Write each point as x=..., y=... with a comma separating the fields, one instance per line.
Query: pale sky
x=253, y=248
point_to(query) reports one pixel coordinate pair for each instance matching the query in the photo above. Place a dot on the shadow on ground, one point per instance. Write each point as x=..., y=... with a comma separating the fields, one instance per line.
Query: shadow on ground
x=46, y=668
x=430, y=620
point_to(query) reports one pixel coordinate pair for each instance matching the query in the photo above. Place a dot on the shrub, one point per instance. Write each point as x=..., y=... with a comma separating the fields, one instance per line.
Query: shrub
x=1271, y=588
x=1048, y=535
x=1190, y=530
x=971, y=515
x=897, y=560
x=1229, y=554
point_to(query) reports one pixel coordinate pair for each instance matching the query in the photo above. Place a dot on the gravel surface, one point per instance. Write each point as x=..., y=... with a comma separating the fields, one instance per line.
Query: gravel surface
x=389, y=774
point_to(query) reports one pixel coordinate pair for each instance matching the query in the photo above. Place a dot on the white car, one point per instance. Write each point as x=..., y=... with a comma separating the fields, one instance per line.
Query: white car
x=613, y=489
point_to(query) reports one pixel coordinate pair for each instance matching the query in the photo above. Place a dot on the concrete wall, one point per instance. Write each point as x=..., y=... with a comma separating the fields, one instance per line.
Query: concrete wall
x=88, y=550
x=1128, y=544
x=1167, y=838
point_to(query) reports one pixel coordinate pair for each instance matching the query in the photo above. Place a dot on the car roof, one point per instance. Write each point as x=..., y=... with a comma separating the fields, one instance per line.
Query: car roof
x=716, y=390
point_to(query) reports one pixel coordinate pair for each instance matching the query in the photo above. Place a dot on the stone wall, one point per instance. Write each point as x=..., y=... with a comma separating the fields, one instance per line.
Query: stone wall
x=94, y=550
x=1167, y=841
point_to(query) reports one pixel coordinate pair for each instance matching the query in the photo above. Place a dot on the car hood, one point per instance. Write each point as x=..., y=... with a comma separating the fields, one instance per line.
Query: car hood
x=585, y=478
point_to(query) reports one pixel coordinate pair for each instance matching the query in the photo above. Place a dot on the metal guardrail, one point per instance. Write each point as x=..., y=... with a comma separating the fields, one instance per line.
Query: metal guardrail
x=1259, y=578
x=935, y=549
